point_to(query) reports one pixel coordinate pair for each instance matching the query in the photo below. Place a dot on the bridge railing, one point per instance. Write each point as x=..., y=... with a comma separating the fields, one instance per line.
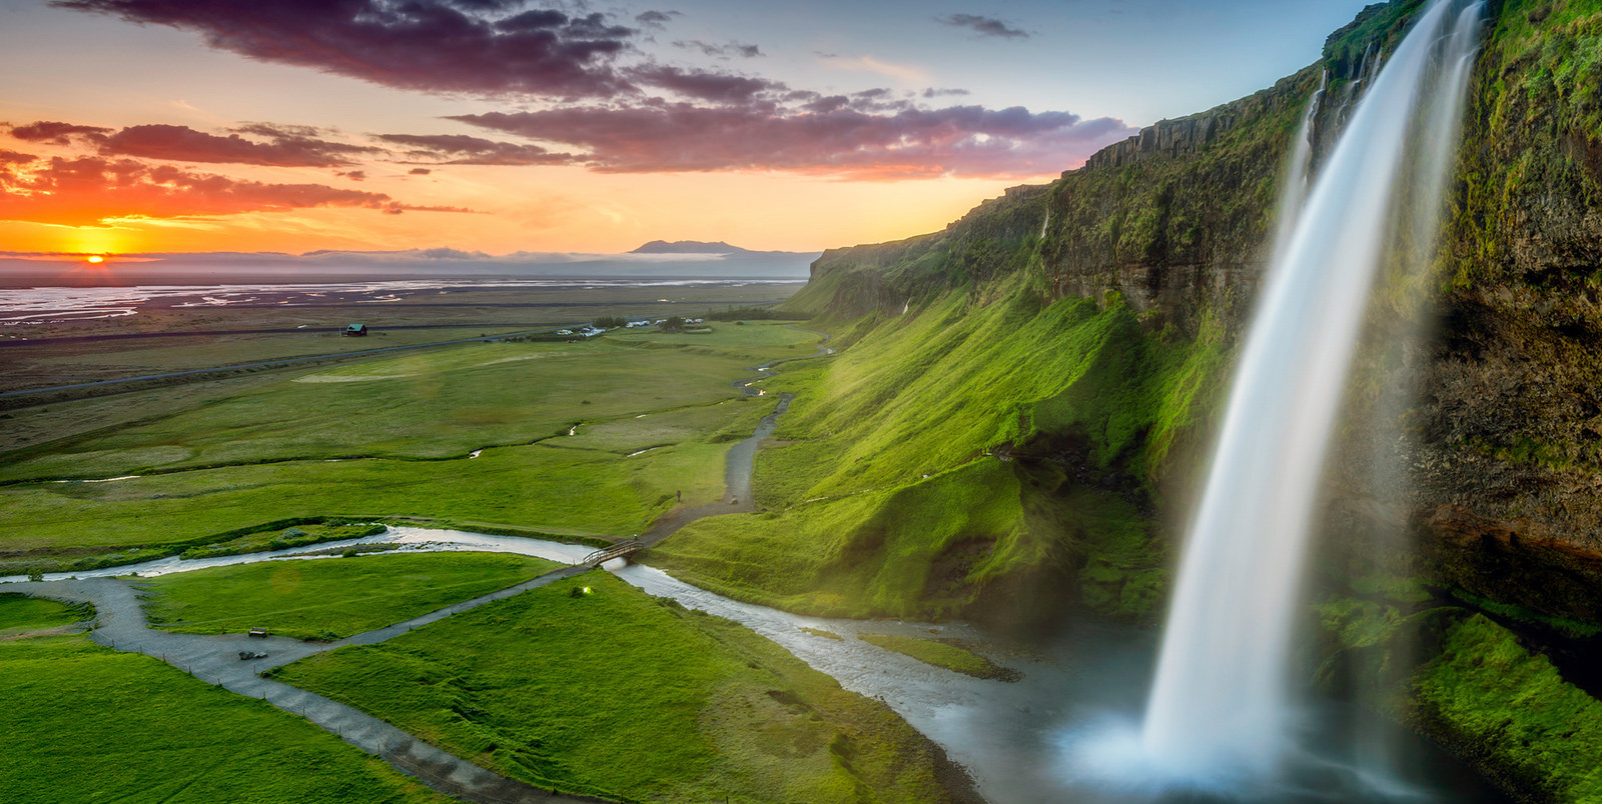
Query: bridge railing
x=618, y=550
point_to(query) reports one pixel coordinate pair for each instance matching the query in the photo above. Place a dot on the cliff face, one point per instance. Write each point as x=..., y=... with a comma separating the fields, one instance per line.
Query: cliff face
x=1500, y=439
x=1465, y=484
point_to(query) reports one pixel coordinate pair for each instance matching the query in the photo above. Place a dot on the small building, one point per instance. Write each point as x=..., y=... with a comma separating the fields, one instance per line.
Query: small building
x=356, y=331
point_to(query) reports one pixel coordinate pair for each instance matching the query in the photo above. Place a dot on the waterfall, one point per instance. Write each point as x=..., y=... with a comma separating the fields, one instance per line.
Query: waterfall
x=1218, y=712
x=1296, y=184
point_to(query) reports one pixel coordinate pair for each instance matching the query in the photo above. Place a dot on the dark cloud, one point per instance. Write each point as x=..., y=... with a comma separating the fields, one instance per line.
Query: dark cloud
x=656, y=19
x=704, y=85
x=413, y=44
x=56, y=133
x=15, y=157
x=289, y=148
x=419, y=172
x=912, y=143
x=354, y=175
x=984, y=26
x=725, y=51
x=91, y=190
x=461, y=149
x=933, y=92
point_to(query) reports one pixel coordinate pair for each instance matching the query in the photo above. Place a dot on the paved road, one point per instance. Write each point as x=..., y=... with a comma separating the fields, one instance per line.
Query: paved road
x=215, y=659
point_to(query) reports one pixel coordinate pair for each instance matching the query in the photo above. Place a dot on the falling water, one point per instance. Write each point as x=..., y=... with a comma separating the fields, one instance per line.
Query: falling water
x=1296, y=184
x=1218, y=713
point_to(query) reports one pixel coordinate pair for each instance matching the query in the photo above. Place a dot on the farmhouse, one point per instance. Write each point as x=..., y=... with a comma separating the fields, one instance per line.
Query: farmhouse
x=356, y=331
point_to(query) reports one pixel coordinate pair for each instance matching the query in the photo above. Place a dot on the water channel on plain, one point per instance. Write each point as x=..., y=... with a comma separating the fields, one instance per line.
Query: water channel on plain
x=1011, y=736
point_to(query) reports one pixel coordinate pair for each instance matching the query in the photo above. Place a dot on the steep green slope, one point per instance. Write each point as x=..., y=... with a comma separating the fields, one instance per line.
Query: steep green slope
x=1022, y=400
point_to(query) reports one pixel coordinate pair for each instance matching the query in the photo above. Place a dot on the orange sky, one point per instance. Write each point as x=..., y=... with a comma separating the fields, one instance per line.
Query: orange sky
x=518, y=125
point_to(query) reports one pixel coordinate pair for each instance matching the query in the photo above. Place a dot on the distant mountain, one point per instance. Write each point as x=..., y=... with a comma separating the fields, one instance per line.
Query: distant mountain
x=690, y=247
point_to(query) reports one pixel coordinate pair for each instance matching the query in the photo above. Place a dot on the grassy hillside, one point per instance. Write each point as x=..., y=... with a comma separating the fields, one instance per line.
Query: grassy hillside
x=1022, y=399
x=969, y=456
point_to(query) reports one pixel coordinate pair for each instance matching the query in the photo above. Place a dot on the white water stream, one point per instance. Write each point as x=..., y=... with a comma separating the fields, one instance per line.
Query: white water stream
x=1219, y=715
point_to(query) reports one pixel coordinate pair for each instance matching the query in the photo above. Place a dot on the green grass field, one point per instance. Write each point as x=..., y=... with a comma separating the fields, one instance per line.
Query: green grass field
x=84, y=723
x=20, y=614
x=328, y=598
x=393, y=438
x=429, y=404
x=622, y=695
x=941, y=654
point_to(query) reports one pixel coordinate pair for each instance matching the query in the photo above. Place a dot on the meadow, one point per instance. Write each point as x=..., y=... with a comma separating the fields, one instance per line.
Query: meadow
x=622, y=695
x=85, y=723
x=476, y=434
x=328, y=599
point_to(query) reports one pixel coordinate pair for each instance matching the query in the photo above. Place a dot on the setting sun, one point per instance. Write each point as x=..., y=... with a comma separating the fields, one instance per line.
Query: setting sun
x=96, y=258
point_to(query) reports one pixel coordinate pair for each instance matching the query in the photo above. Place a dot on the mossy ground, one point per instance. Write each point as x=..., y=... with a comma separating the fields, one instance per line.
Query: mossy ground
x=943, y=654
x=86, y=723
x=1488, y=696
x=618, y=694
x=328, y=598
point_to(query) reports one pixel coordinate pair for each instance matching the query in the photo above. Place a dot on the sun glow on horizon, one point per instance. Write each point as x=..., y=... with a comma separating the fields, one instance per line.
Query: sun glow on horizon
x=95, y=259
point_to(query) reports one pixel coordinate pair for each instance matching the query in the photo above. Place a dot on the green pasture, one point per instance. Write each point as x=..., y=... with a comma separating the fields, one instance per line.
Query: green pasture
x=83, y=723
x=20, y=614
x=621, y=695
x=393, y=437
x=540, y=487
x=436, y=403
x=156, y=355
x=329, y=598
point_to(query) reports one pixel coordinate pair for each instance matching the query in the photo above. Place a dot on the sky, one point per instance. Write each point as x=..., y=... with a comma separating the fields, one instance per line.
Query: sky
x=500, y=126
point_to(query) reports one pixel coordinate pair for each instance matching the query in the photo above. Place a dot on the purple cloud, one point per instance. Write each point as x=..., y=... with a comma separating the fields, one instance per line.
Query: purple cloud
x=983, y=26
x=461, y=149
x=291, y=147
x=55, y=133
x=912, y=143
x=92, y=190
x=418, y=44
x=724, y=51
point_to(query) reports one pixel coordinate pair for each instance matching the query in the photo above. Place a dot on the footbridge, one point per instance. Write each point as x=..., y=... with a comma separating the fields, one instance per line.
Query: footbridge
x=622, y=549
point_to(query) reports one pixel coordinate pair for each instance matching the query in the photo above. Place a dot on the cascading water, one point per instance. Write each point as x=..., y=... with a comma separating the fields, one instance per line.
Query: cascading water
x=1218, y=714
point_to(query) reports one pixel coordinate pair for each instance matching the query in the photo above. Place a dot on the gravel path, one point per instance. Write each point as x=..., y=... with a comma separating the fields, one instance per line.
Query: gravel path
x=738, y=463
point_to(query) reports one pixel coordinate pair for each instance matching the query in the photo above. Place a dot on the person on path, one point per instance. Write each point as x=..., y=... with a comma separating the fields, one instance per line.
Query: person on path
x=679, y=496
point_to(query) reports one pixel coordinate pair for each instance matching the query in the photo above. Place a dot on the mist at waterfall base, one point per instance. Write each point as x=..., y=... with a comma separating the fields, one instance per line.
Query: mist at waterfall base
x=1221, y=722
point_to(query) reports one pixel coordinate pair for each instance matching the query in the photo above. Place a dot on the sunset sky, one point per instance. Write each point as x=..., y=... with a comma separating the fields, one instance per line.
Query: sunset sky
x=501, y=126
